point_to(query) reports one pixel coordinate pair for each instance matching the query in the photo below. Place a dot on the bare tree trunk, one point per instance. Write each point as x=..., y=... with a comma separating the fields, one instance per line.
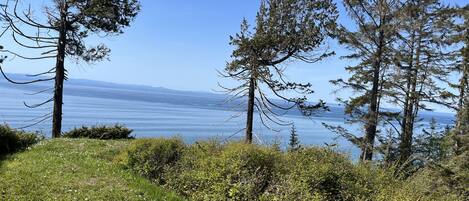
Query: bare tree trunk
x=372, y=119
x=250, y=112
x=59, y=76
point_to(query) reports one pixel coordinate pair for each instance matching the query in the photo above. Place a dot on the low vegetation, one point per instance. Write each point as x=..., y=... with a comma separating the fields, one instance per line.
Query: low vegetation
x=412, y=56
x=237, y=171
x=164, y=169
x=74, y=169
x=152, y=157
x=12, y=140
x=101, y=132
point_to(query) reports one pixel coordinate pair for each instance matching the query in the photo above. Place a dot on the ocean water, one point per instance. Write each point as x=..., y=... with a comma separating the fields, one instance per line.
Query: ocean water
x=157, y=112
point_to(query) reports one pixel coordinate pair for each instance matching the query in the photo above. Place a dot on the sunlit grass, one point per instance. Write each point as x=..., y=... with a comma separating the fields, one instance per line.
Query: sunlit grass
x=69, y=169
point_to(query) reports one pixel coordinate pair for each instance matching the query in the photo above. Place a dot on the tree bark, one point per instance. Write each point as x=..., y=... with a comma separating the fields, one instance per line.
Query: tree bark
x=250, y=112
x=462, y=121
x=59, y=75
x=372, y=116
x=411, y=104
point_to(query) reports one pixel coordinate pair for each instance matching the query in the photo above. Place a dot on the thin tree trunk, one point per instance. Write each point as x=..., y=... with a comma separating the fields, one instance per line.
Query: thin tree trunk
x=463, y=82
x=405, y=146
x=407, y=133
x=403, y=136
x=250, y=112
x=372, y=119
x=407, y=127
x=59, y=76
x=461, y=123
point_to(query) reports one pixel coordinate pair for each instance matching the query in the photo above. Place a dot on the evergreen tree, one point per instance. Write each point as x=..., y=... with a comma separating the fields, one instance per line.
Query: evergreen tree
x=285, y=31
x=294, y=142
x=388, y=147
x=420, y=63
x=68, y=24
x=462, y=66
x=430, y=145
x=369, y=43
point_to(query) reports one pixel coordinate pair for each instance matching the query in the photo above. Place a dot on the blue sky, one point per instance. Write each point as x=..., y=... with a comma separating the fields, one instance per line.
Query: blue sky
x=179, y=44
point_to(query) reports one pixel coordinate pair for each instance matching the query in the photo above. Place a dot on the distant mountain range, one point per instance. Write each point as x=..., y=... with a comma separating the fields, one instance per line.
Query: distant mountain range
x=204, y=100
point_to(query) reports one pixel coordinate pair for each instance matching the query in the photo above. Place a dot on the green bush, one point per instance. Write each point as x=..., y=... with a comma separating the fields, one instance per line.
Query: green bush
x=100, y=132
x=152, y=157
x=448, y=180
x=234, y=171
x=209, y=170
x=14, y=140
x=423, y=185
x=317, y=174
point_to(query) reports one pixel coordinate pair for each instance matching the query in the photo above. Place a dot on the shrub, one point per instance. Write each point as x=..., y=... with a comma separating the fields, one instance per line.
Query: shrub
x=14, y=140
x=152, y=157
x=235, y=171
x=209, y=170
x=100, y=132
x=444, y=181
x=423, y=185
x=315, y=174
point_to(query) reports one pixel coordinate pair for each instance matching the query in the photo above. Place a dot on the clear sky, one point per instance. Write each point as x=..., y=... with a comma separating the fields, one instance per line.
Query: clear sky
x=179, y=44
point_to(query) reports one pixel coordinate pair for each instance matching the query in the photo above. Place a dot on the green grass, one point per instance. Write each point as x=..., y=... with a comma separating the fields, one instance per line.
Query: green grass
x=74, y=169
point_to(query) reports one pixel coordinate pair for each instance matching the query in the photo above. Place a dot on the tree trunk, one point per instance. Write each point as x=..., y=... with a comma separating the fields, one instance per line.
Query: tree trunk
x=411, y=104
x=250, y=112
x=463, y=82
x=462, y=121
x=59, y=75
x=372, y=116
x=405, y=146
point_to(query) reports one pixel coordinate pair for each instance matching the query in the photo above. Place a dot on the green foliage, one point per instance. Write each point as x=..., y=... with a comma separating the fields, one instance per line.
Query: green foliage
x=285, y=31
x=106, y=17
x=100, y=132
x=432, y=144
x=426, y=184
x=319, y=174
x=14, y=140
x=460, y=135
x=367, y=41
x=74, y=169
x=294, y=142
x=238, y=171
x=209, y=170
x=152, y=157
x=83, y=169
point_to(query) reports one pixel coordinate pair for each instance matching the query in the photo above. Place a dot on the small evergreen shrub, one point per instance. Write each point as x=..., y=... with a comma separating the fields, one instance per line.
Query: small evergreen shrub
x=100, y=132
x=293, y=142
x=152, y=157
x=12, y=140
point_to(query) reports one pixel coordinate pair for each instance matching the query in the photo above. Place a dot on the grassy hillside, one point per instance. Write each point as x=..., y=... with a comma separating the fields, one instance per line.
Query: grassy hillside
x=66, y=169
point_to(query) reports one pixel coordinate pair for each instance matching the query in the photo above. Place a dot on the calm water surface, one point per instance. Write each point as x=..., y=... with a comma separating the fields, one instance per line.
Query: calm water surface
x=155, y=112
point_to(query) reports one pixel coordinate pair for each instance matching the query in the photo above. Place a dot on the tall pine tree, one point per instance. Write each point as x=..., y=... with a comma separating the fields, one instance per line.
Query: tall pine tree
x=420, y=64
x=285, y=31
x=462, y=122
x=369, y=43
x=68, y=24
